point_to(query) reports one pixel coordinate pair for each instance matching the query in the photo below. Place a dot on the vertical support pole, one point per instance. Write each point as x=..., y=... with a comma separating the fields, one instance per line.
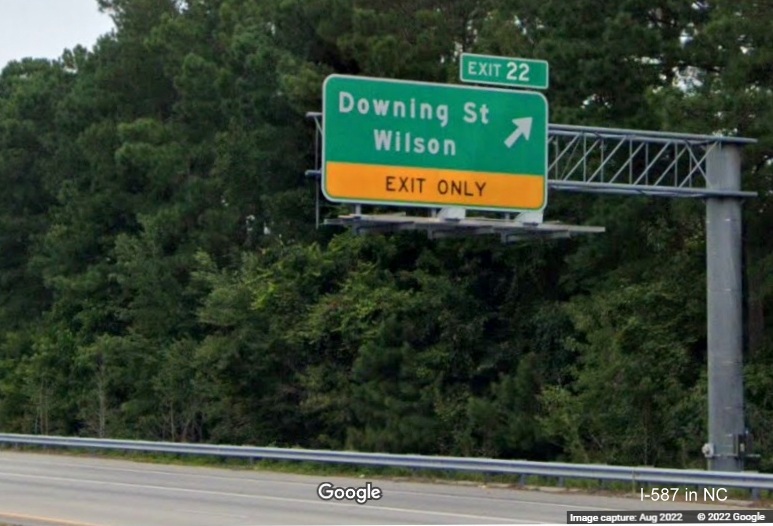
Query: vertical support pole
x=725, y=310
x=317, y=166
x=317, y=185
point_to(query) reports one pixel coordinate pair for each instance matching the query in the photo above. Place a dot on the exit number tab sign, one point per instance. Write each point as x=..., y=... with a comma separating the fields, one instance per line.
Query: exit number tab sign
x=503, y=71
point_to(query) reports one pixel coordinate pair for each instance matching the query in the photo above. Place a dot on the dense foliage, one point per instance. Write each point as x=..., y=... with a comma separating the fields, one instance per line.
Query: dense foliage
x=161, y=276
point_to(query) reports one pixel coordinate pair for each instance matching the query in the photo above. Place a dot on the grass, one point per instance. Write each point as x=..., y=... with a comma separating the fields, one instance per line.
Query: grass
x=611, y=488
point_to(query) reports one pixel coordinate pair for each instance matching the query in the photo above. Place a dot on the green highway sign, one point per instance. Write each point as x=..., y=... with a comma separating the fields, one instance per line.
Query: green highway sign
x=407, y=143
x=502, y=71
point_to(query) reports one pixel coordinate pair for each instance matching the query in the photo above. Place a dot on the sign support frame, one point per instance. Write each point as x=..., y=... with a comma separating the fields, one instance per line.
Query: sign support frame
x=712, y=172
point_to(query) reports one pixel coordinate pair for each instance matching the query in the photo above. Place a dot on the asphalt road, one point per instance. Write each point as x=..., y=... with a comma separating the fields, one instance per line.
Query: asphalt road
x=40, y=489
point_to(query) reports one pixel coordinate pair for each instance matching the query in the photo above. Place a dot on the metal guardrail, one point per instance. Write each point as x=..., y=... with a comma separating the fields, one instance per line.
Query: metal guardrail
x=602, y=472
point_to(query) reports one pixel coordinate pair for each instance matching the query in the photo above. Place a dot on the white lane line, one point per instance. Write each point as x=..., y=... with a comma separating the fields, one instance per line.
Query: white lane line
x=46, y=520
x=176, y=473
x=216, y=514
x=272, y=498
x=504, y=498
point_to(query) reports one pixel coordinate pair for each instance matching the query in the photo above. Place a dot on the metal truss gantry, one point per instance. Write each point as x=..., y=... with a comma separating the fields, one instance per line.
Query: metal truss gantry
x=648, y=163
x=632, y=162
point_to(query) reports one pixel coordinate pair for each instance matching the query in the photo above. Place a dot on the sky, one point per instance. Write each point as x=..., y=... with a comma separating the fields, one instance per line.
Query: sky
x=45, y=28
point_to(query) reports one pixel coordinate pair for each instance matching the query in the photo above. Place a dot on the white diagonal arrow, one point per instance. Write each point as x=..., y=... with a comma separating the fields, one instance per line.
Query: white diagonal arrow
x=522, y=127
